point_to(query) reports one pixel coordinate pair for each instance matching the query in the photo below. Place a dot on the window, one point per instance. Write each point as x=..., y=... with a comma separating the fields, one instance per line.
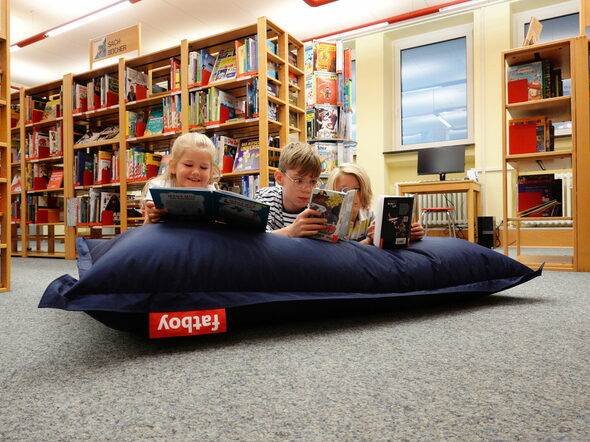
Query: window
x=433, y=90
x=557, y=28
x=559, y=21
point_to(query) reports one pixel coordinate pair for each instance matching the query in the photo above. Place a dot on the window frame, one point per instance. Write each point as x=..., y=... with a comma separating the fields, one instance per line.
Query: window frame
x=519, y=19
x=451, y=33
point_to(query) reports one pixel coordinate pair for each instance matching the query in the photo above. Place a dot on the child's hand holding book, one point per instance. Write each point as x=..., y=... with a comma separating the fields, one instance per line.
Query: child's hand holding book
x=307, y=223
x=153, y=214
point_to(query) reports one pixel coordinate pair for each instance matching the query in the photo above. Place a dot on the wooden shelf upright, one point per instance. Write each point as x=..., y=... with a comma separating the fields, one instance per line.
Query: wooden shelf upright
x=5, y=172
x=19, y=194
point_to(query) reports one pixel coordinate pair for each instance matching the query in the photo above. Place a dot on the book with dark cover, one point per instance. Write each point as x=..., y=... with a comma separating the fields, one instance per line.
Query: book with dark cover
x=393, y=221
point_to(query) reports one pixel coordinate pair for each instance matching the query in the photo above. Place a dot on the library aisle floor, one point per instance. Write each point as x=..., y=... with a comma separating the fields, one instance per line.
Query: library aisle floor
x=511, y=366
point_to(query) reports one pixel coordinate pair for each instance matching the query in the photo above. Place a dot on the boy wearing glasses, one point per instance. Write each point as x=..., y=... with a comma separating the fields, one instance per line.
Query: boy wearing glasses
x=299, y=171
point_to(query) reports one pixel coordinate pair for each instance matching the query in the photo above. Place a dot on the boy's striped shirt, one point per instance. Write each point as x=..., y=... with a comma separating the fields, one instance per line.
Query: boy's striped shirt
x=278, y=217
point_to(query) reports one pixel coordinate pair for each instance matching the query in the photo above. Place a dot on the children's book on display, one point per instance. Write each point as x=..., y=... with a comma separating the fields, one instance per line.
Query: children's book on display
x=327, y=121
x=56, y=179
x=393, y=221
x=248, y=155
x=328, y=153
x=225, y=66
x=136, y=86
x=155, y=122
x=211, y=205
x=336, y=207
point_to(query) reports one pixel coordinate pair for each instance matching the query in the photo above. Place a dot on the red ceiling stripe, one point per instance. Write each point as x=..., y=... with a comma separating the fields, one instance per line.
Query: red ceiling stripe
x=314, y=3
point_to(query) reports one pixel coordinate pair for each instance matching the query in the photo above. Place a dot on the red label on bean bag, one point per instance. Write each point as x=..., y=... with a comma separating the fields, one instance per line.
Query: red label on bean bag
x=198, y=322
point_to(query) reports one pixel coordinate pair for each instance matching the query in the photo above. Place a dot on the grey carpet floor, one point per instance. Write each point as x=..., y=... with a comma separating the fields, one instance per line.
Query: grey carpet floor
x=513, y=366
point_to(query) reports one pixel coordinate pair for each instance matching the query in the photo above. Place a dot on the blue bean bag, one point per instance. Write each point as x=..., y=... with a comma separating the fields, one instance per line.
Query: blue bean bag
x=179, y=278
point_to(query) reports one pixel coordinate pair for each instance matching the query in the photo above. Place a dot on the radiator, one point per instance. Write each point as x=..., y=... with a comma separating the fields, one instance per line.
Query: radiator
x=566, y=203
x=456, y=200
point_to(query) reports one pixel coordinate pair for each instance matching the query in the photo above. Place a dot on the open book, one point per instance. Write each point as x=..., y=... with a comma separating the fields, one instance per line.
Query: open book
x=337, y=208
x=393, y=221
x=211, y=205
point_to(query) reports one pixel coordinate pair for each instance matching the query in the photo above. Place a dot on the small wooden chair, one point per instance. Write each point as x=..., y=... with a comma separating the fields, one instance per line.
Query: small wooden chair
x=428, y=211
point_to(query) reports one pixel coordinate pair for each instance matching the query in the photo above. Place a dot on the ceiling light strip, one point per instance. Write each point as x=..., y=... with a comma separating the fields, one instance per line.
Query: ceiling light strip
x=72, y=24
x=393, y=19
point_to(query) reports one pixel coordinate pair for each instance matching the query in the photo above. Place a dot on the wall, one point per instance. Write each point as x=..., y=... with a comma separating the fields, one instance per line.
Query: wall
x=492, y=28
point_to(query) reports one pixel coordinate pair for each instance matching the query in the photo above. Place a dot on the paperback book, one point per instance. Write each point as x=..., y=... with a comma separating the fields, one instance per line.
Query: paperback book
x=336, y=207
x=326, y=122
x=211, y=205
x=247, y=155
x=324, y=56
x=225, y=66
x=393, y=221
x=136, y=86
x=325, y=88
x=56, y=179
x=328, y=152
x=155, y=122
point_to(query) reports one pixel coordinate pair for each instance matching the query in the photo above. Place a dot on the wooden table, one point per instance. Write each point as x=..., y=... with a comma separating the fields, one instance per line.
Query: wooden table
x=472, y=188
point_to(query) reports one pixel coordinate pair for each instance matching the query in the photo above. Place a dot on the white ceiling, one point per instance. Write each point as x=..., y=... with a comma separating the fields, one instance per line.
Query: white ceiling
x=166, y=22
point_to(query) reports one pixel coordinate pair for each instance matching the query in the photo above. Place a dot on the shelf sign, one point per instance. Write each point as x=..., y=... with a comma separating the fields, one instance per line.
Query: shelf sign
x=116, y=44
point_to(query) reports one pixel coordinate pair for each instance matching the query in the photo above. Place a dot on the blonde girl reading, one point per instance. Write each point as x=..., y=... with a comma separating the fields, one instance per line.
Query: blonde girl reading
x=192, y=164
x=350, y=176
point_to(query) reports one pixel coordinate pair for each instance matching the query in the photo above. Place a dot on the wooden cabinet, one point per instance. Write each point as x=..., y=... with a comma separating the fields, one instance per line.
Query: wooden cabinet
x=277, y=120
x=527, y=167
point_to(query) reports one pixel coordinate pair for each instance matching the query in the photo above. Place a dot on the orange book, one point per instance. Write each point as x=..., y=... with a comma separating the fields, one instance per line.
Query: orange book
x=326, y=88
x=56, y=179
x=324, y=56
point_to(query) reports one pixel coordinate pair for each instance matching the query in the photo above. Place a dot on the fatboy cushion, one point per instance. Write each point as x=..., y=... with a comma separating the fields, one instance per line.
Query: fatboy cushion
x=171, y=268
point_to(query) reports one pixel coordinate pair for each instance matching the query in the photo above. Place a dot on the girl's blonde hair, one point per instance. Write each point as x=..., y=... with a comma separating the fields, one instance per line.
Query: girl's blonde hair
x=366, y=194
x=194, y=141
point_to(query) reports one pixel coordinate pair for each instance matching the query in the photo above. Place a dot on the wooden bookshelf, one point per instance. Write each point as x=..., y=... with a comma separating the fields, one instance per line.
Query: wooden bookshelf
x=38, y=236
x=18, y=197
x=571, y=57
x=5, y=133
x=58, y=239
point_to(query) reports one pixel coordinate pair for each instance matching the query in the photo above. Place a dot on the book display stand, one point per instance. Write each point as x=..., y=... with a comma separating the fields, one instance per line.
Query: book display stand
x=328, y=85
x=5, y=175
x=531, y=159
x=115, y=126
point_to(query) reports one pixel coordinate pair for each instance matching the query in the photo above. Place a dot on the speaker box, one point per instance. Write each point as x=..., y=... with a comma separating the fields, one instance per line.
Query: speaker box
x=485, y=231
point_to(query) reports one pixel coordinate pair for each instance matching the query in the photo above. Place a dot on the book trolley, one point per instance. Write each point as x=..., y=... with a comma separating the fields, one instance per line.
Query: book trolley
x=560, y=60
x=49, y=224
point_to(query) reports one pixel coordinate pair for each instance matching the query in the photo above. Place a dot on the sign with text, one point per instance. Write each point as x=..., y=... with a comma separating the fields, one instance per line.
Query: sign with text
x=198, y=322
x=116, y=44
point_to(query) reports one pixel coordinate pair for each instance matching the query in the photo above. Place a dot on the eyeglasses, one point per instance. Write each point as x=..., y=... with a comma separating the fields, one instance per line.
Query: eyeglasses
x=304, y=183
